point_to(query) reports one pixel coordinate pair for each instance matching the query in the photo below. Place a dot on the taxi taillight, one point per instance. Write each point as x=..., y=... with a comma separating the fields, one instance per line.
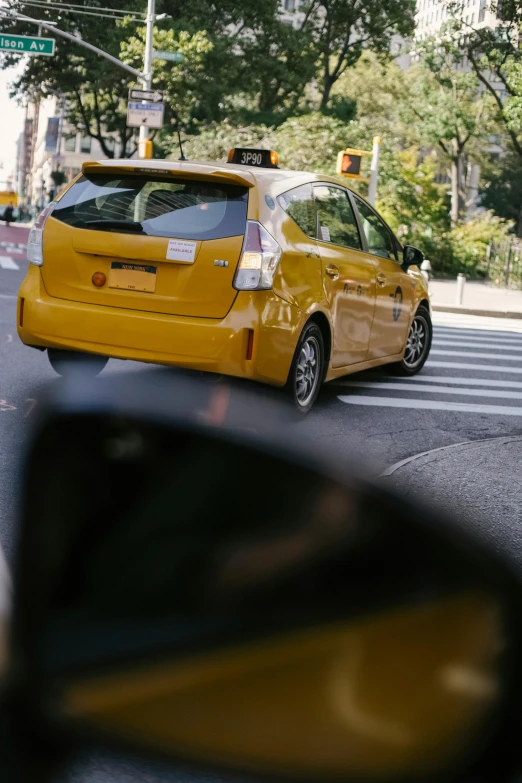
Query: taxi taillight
x=35, y=241
x=259, y=259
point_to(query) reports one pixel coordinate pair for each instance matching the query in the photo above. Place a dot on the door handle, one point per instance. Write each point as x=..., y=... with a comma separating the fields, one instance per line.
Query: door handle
x=381, y=279
x=332, y=271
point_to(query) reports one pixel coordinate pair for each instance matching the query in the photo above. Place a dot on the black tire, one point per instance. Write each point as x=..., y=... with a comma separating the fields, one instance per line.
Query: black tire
x=68, y=363
x=307, y=370
x=421, y=333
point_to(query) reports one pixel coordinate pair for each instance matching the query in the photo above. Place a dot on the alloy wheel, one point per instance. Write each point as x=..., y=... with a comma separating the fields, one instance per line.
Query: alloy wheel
x=417, y=343
x=308, y=370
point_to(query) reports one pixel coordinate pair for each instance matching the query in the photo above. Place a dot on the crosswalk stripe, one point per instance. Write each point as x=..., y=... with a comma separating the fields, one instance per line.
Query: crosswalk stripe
x=475, y=366
x=459, y=407
x=463, y=381
x=498, y=345
x=475, y=355
x=476, y=336
x=8, y=263
x=507, y=395
x=478, y=323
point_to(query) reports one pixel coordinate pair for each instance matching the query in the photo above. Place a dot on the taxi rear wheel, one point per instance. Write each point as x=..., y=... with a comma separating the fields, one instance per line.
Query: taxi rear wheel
x=307, y=370
x=70, y=362
x=418, y=345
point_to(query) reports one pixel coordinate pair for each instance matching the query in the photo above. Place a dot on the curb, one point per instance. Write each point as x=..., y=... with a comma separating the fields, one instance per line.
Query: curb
x=451, y=446
x=473, y=311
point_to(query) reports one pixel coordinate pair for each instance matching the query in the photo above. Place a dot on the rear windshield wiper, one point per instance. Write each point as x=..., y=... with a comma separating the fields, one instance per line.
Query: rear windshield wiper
x=125, y=225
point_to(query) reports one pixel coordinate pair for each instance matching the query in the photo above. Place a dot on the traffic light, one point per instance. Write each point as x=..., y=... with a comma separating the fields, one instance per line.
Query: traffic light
x=349, y=164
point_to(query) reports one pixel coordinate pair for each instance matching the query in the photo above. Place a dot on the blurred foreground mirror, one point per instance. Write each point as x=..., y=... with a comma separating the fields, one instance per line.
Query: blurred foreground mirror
x=194, y=592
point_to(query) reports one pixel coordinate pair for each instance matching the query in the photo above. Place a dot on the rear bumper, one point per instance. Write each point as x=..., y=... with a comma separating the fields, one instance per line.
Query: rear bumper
x=194, y=343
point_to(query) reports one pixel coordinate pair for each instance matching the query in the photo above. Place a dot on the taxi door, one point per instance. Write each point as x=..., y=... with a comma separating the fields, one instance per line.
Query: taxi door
x=348, y=275
x=394, y=290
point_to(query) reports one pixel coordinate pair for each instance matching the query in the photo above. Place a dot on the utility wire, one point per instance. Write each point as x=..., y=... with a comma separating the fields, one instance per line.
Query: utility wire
x=81, y=6
x=86, y=13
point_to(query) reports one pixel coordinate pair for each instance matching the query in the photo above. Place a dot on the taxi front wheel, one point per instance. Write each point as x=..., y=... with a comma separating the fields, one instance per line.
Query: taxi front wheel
x=418, y=345
x=70, y=362
x=307, y=370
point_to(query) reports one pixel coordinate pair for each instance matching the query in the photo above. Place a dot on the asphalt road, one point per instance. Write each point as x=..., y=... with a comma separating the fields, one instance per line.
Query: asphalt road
x=470, y=389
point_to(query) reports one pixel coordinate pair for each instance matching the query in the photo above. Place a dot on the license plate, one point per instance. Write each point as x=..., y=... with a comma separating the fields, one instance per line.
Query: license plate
x=133, y=277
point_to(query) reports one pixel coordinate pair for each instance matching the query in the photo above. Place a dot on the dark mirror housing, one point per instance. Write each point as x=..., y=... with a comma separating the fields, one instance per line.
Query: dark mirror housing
x=225, y=600
x=412, y=256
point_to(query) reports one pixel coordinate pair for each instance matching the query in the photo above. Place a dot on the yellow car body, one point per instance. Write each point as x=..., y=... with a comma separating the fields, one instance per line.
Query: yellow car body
x=195, y=318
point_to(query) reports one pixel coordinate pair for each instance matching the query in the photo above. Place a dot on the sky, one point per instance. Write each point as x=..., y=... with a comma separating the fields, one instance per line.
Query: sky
x=11, y=124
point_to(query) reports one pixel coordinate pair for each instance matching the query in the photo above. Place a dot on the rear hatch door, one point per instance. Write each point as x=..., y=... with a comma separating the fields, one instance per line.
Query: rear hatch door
x=165, y=243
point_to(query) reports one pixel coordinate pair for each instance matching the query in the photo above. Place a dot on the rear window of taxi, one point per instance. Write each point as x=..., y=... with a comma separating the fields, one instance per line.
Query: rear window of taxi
x=155, y=206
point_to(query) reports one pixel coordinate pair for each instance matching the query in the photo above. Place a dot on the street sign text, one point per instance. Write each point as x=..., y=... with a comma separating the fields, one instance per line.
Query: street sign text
x=145, y=95
x=176, y=57
x=26, y=44
x=148, y=115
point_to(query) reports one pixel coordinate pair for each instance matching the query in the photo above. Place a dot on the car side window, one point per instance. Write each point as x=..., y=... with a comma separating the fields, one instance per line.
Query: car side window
x=337, y=222
x=380, y=240
x=299, y=204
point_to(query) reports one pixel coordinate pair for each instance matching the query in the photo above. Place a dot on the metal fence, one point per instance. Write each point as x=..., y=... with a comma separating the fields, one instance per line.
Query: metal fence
x=503, y=265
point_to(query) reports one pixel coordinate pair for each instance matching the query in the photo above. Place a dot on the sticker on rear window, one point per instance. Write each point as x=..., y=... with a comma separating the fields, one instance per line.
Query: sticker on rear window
x=325, y=233
x=178, y=250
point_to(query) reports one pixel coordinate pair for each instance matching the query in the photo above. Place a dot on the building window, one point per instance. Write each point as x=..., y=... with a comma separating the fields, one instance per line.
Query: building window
x=85, y=144
x=69, y=144
x=289, y=5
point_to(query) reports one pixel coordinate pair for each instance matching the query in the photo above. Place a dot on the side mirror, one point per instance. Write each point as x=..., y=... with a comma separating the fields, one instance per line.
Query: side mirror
x=412, y=256
x=226, y=601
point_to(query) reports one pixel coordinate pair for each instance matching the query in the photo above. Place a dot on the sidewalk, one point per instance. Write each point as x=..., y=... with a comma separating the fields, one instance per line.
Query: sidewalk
x=479, y=299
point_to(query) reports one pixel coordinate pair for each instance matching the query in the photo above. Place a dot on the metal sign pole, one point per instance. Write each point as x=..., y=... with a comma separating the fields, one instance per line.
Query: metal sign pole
x=144, y=148
x=374, y=171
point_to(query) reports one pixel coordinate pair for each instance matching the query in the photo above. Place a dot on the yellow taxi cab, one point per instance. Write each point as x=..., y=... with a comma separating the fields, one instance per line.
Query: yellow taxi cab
x=285, y=277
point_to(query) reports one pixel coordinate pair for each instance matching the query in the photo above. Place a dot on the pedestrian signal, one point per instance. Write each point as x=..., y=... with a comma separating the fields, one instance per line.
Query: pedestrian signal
x=349, y=164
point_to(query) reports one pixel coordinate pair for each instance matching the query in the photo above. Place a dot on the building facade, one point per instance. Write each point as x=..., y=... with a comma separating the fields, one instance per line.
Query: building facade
x=51, y=152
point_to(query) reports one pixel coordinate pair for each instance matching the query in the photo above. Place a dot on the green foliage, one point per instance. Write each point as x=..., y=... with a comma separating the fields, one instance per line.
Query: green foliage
x=190, y=91
x=501, y=188
x=413, y=203
x=343, y=29
x=95, y=89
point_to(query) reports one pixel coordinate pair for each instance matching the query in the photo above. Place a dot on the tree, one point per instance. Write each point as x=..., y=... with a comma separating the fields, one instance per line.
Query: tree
x=95, y=90
x=260, y=66
x=501, y=188
x=446, y=110
x=189, y=89
x=495, y=56
x=343, y=29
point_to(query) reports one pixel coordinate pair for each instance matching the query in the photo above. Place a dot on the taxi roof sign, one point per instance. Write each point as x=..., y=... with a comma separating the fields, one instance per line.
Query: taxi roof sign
x=266, y=159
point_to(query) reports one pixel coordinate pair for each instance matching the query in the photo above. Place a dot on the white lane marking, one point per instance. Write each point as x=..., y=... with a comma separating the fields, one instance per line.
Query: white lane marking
x=432, y=405
x=475, y=355
x=476, y=367
x=7, y=296
x=497, y=344
x=464, y=381
x=507, y=395
x=478, y=323
x=7, y=263
x=470, y=335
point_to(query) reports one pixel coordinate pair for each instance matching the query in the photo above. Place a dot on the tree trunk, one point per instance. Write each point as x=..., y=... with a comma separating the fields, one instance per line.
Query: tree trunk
x=457, y=204
x=325, y=98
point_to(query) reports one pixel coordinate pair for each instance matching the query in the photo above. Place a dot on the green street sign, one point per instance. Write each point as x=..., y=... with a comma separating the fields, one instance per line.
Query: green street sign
x=174, y=56
x=26, y=44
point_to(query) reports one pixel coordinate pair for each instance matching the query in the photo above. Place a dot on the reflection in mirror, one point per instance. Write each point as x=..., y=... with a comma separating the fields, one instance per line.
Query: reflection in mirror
x=228, y=606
